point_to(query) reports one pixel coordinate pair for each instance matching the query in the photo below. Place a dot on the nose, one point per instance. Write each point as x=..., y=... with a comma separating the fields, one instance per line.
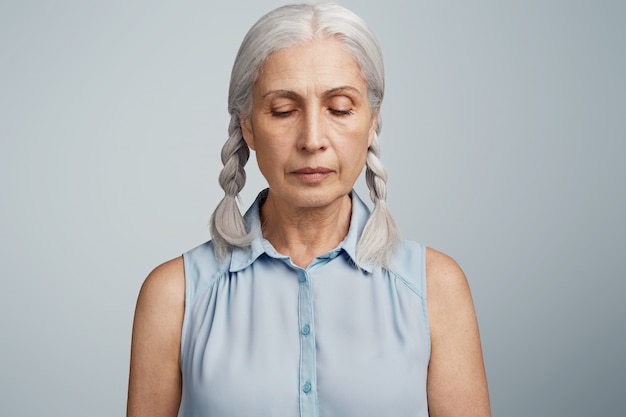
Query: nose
x=313, y=132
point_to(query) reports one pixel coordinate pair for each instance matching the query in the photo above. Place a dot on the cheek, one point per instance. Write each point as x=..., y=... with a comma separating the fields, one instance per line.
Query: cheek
x=358, y=144
x=271, y=156
x=275, y=150
x=353, y=157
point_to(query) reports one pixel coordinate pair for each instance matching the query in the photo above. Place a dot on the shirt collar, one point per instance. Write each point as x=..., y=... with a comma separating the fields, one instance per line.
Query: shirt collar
x=243, y=257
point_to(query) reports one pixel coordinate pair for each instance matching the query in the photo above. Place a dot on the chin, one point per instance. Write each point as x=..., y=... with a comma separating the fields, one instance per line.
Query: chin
x=313, y=197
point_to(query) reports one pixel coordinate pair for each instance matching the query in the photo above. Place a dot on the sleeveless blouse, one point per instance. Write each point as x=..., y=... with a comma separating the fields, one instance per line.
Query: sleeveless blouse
x=263, y=337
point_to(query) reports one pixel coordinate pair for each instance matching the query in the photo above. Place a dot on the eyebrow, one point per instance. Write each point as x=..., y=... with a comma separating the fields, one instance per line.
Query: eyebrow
x=341, y=89
x=282, y=93
x=293, y=95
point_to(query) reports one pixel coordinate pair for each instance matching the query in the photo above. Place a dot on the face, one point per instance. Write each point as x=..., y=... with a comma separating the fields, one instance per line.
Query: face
x=310, y=123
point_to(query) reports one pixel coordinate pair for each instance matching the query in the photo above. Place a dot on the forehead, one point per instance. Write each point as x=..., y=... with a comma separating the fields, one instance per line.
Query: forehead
x=320, y=63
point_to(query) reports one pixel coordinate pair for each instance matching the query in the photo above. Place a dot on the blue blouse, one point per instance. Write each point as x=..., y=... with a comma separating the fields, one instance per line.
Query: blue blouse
x=263, y=337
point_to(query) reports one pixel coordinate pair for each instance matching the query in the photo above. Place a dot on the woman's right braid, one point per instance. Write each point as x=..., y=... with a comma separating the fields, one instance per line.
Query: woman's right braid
x=227, y=225
x=235, y=154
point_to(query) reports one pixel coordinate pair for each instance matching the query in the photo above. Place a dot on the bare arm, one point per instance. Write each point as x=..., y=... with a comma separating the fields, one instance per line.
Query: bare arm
x=457, y=384
x=154, y=388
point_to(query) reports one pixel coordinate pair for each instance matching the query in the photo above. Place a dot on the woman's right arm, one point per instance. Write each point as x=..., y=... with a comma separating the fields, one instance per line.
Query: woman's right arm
x=155, y=383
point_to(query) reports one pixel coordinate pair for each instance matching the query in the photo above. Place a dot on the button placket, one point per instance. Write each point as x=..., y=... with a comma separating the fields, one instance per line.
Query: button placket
x=308, y=372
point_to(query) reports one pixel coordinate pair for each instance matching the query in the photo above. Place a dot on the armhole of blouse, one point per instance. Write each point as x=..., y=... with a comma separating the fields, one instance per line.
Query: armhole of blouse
x=187, y=303
x=200, y=269
x=423, y=286
x=411, y=264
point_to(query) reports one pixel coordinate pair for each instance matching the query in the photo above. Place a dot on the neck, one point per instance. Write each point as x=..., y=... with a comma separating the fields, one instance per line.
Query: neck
x=305, y=233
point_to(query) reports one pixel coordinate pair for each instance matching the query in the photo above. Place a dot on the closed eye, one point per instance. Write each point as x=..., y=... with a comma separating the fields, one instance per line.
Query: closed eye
x=341, y=112
x=282, y=113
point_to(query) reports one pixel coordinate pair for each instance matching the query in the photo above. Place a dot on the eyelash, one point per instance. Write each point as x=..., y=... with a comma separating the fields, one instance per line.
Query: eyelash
x=333, y=111
x=341, y=112
x=282, y=113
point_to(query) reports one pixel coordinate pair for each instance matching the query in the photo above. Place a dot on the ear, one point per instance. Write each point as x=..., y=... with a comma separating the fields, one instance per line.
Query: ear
x=372, y=130
x=246, y=131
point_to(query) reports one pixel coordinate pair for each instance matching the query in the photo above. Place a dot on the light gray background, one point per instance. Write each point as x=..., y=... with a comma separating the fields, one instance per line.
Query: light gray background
x=503, y=137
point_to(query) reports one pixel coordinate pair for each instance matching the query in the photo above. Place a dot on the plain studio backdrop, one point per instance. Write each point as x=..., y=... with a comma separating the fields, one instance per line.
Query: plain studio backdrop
x=503, y=136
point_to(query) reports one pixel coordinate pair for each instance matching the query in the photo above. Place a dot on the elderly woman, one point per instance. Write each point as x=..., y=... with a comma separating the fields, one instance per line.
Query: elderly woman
x=309, y=305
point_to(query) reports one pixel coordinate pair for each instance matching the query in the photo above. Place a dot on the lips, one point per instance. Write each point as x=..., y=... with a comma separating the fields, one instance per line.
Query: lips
x=312, y=174
x=318, y=170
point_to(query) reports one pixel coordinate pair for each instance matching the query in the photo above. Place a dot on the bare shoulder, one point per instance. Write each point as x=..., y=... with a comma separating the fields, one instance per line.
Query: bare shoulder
x=448, y=294
x=444, y=277
x=441, y=265
x=160, y=305
x=457, y=383
x=154, y=387
x=166, y=283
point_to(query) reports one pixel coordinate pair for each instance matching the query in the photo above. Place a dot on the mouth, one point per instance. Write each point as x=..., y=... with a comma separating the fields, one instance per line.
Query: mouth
x=312, y=175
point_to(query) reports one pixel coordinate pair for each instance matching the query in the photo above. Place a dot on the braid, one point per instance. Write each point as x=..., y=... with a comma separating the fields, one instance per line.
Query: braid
x=235, y=154
x=227, y=225
x=375, y=174
x=380, y=235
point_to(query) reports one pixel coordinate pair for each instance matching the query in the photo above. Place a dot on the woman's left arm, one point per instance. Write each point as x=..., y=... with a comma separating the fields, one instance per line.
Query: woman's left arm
x=457, y=384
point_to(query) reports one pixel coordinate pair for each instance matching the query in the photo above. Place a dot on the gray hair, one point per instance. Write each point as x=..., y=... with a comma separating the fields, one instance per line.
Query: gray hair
x=285, y=27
